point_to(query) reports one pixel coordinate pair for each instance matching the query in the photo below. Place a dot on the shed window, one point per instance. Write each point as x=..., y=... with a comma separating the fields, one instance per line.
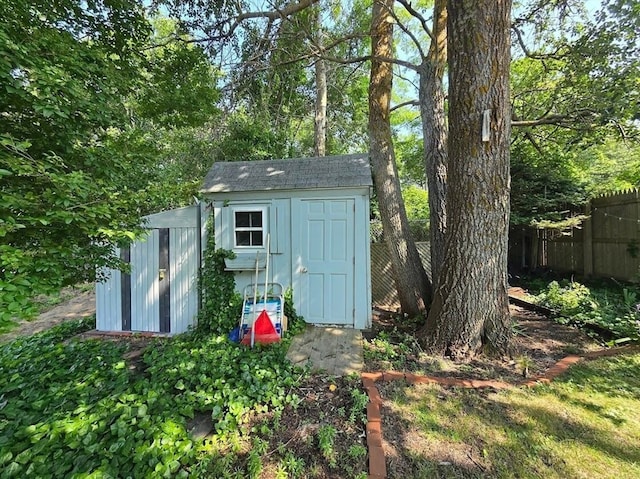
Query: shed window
x=248, y=228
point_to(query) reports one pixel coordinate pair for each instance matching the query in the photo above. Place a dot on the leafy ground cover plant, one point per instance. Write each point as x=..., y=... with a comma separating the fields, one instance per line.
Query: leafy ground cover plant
x=609, y=311
x=321, y=436
x=75, y=408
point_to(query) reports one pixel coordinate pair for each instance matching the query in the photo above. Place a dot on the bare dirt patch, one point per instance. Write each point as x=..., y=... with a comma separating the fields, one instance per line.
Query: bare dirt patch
x=79, y=305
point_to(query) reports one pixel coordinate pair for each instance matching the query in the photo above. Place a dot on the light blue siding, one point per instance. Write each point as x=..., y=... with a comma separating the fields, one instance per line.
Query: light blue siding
x=145, y=276
x=335, y=225
x=109, y=301
x=184, y=278
x=145, y=304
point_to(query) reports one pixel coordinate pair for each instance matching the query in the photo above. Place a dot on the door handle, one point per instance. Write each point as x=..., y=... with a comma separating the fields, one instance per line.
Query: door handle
x=303, y=269
x=161, y=273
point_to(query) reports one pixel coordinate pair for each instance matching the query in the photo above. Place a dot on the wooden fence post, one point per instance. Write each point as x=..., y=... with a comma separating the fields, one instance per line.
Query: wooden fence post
x=587, y=242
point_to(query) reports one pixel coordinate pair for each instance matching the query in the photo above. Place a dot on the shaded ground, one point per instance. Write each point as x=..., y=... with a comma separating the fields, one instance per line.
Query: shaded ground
x=410, y=451
x=583, y=426
x=329, y=406
x=538, y=344
x=324, y=435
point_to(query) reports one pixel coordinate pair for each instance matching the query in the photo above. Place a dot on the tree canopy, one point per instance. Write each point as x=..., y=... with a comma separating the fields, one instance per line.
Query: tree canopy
x=113, y=110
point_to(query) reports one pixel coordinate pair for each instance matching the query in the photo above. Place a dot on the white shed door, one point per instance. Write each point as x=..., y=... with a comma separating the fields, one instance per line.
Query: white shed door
x=323, y=262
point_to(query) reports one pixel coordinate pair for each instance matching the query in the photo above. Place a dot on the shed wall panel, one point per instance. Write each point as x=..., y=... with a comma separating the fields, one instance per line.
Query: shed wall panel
x=145, y=311
x=283, y=226
x=362, y=280
x=183, y=260
x=109, y=303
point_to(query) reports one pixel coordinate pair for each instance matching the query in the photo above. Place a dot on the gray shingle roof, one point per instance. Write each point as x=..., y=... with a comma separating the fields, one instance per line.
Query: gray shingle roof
x=301, y=173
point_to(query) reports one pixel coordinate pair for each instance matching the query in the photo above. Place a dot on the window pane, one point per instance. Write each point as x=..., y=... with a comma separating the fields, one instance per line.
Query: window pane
x=256, y=238
x=256, y=219
x=242, y=219
x=243, y=238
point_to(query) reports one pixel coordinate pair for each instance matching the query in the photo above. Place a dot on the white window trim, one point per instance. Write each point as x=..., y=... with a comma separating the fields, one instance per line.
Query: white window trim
x=265, y=219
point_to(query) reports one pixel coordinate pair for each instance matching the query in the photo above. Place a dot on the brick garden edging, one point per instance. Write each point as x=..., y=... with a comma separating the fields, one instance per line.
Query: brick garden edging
x=377, y=462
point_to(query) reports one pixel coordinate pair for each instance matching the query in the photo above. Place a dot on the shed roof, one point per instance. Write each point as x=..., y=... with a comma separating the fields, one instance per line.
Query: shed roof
x=300, y=173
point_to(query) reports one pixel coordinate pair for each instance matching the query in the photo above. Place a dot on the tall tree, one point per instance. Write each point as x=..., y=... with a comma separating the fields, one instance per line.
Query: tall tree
x=320, y=120
x=414, y=288
x=470, y=311
x=63, y=93
x=434, y=133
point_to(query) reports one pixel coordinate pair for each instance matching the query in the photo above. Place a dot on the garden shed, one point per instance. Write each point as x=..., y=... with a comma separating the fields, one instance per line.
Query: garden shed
x=314, y=212
x=160, y=293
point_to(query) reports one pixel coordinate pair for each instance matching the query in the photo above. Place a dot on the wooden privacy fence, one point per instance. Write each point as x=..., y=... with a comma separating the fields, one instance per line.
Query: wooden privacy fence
x=383, y=286
x=607, y=244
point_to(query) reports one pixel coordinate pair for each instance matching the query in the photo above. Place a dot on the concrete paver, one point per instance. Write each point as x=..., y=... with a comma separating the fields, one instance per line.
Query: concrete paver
x=336, y=351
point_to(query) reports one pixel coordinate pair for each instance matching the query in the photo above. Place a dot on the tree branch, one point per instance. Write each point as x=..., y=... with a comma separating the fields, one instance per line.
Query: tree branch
x=412, y=11
x=528, y=53
x=409, y=33
x=403, y=104
x=565, y=121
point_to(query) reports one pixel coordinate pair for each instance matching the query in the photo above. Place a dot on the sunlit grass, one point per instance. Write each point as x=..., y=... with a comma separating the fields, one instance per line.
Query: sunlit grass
x=585, y=425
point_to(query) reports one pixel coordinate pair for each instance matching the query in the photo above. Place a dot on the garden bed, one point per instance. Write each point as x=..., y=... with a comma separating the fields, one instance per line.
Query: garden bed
x=537, y=345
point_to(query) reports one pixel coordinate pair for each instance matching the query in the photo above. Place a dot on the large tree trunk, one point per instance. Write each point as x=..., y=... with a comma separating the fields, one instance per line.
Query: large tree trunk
x=434, y=134
x=470, y=311
x=320, y=123
x=320, y=129
x=414, y=289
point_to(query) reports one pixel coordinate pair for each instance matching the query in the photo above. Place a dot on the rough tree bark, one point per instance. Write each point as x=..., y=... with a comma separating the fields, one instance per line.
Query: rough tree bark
x=434, y=133
x=320, y=127
x=320, y=121
x=470, y=311
x=414, y=288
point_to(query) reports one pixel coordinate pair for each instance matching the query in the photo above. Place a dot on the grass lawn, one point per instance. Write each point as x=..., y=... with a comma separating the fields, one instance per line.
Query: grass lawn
x=584, y=425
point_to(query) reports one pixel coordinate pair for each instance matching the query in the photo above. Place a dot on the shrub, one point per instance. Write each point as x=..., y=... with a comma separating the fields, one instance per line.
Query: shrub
x=600, y=308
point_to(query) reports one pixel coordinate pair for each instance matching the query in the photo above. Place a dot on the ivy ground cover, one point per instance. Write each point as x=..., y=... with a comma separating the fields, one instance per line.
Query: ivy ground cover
x=71, y=408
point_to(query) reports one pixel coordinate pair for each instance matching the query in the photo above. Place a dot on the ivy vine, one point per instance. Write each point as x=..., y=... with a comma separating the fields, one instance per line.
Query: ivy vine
x=221, y=304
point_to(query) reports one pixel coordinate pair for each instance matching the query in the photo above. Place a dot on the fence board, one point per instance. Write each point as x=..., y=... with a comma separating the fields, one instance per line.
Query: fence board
x=608, y=246
x=383, y=286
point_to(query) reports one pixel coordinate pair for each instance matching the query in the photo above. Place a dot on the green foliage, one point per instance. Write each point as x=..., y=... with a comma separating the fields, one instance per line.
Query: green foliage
x=612, y=309
x=358, y=408
x=326, y=438
x=251, y=138
x=292, y=465
x=416, y=201
x=220, y=311
x=60, y=95
x=88, y=137
x=543, y=187
x=357, y=451
x=296, y=323
x=580, y=74
x=73, y=407
x=410, y=158
x=182, y=89
x=58, y=223
x=391, y=348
